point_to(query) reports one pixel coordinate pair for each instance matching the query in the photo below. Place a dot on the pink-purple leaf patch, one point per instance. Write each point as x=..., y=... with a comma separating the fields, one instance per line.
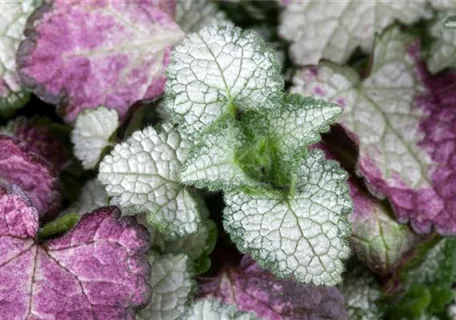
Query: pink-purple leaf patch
x=403, y=122
x=254, y=289
x=82, y=54
x=43, y=137
x=96, y=271
x=32, y=173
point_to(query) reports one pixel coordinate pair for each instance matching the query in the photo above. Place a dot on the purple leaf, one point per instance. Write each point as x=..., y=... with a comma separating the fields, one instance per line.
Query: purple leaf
x=402, y=119
x=40, y=137
x=82, y=54
x=37, y=177
x=96, y=271
x=253, y=289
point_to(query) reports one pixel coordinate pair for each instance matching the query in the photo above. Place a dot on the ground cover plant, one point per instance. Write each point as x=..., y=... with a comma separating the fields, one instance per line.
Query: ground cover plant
x=197, y=159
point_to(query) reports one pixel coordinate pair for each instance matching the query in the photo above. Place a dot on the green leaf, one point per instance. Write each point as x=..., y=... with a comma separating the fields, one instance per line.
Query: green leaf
x=58, y=226
x=303, y=235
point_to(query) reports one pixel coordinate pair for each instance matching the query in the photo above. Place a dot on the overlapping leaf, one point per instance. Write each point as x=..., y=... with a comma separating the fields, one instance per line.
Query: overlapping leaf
x=301, y=236
x=13, y=16
x=171, y=285
x=91, y=134
x=196, y=14
x=143, y=173
x=83, y=54
x=214, y=310
x=22, y=167
x=401, y=118
x=333, y=30
x=218, y=71
x=255, y=290
x=95, y=271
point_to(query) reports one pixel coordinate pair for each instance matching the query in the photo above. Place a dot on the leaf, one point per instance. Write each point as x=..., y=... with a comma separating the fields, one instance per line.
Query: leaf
x=255, y=290
x=401, y=119
x=143, y=173
x=212, y=162
x=171, y=285
x=438, y=267
x=442, y=53
x=450, y=22
x=334, y=30
x=12, y=22
x=22, y=167
x=377, y=238
x=92, y=196
x=44, y=137
x=80, y=55
x=96, y=271
x=194, y=15
x=299, y=122
x=91, y=134
x=302, y=236
x=214, y=310
x=362, y=296
x=220, y=71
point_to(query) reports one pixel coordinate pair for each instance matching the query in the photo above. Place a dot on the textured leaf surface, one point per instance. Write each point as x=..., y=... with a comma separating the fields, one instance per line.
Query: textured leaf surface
x=91, y=134
x=377, y=238
x=43, y=137
x=217, y=70
x=143, y=173
x=82, y=54
x=362, y=295
x=194, y=15
x=214, y=310
x=171, y=286
x=442, y=53
x=12, y=22
x=96, y=271
x=93, y=195
x=299, y=122
x=212, y=161
x=401, y=118
x=255, y=290
x=333, y=30
x=304, y=236
x=20, y=166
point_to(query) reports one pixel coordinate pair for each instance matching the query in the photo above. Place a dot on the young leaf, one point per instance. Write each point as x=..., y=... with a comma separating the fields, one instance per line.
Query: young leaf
x=93, y=195
x=299, y=122
x=303, y=235
x=214, y=310
x=362, y=296
x=253, y=289
x=83, y=54
x=212, y=163
x=193, y=15
x=91, y=134
x=143, y=173
x=14, y=14
x=22, y=167
x=171, y=286
x=220, y=71
x=43, y=137
x=401, y=118
x=96, y=271
x=324, y=29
